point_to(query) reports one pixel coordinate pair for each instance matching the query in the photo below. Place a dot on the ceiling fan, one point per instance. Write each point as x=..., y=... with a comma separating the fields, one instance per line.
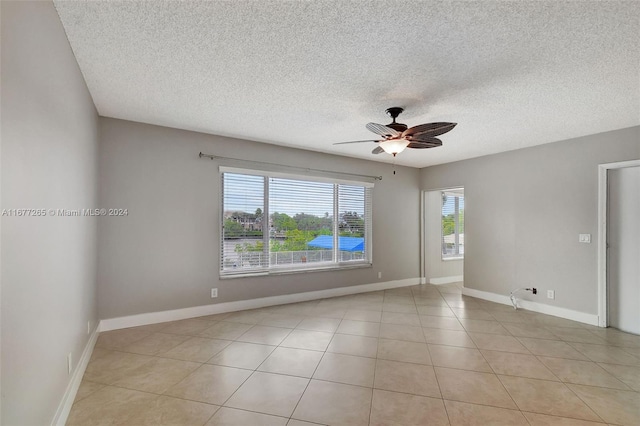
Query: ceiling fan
x=396, y=136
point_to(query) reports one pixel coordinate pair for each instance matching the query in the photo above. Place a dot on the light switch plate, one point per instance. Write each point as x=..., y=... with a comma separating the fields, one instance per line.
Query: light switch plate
x=584, y=238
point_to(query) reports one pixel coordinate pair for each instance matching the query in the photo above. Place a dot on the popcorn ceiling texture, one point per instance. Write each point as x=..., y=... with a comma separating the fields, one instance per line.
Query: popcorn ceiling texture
x=308, y=74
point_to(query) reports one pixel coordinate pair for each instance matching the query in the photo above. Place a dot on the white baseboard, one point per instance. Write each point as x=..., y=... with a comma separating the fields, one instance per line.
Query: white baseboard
x=534, y=306
x=485, y=295
x=446, y=280
x=62, y=413
x=423, y=280
x=219, y=308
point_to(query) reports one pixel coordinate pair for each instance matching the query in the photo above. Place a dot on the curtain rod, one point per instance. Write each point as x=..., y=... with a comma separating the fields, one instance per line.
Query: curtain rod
x=304, y=169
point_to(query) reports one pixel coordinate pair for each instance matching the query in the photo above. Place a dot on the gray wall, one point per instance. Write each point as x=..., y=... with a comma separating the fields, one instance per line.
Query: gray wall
x=524, y=210
x=164, y=254
x=49, y=160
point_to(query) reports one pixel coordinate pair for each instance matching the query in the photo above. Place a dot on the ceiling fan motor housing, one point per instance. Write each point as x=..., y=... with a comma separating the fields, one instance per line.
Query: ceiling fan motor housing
x=394, y=112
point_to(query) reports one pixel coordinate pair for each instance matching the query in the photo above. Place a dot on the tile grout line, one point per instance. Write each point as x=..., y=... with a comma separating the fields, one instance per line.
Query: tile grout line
x=495, y=375
x=439, y=387
x=585, y=403
x=373, y=386
x=309, y=382
x=346, y=308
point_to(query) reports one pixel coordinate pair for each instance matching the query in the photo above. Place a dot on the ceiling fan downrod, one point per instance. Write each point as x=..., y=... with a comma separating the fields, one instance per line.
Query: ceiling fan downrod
x=394, y=112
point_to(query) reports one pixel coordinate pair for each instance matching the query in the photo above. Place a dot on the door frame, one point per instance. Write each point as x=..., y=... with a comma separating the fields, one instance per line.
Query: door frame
x=603, y=185
x=423, y=229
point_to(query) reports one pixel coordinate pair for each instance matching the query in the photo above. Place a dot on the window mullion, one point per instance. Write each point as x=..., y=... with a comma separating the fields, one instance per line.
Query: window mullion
x=336, y=224
x=456, y=224
x=222, y=193
x=266, y=229
x=368, y=228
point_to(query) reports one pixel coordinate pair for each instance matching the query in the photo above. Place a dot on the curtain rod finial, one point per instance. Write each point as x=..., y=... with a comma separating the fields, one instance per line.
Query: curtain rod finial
x=206, y=155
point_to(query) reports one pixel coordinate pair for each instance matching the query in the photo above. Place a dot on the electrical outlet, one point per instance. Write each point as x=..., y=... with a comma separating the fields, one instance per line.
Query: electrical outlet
x=214, y=293
x=69, y=363
x=551, y=294
x=584, y=238
x=379, y=275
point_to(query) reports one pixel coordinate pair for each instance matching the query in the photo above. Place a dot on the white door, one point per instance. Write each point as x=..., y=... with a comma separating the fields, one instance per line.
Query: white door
x=623, y=255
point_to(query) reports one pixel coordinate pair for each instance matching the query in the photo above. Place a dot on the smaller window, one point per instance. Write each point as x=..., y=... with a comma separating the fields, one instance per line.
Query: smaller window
x=453, y=224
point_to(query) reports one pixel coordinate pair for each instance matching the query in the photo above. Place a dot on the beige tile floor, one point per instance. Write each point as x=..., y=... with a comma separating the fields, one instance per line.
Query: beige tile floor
x=409, y=356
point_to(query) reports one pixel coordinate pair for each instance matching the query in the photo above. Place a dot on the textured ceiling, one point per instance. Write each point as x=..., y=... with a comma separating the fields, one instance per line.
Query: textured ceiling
x=308, y=74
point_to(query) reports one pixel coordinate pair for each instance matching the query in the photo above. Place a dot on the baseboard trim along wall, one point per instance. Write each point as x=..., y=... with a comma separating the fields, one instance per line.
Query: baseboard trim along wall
x=62, y=413
x=534, y=306
x=240, y=305
x=446, y=280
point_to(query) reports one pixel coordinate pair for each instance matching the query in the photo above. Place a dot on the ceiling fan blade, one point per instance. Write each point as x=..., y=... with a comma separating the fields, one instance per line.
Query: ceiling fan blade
x=383, y=130
x=425, y=139
x=342, y=143
x=429, y=129
x=425, y=143
x=377, y=150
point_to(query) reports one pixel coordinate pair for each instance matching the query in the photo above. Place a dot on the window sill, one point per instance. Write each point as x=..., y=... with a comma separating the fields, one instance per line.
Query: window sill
x=288, y=271
x=448, y=259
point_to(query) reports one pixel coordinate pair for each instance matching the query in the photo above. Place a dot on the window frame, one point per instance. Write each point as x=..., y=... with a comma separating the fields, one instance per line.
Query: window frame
x=335, y=263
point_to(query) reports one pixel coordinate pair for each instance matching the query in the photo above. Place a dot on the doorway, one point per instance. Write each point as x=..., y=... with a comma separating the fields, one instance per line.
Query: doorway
x=619, y=246
x=443, y=237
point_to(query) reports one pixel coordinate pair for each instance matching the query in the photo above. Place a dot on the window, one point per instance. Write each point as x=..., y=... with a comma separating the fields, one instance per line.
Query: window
x=453, y=224
x=272, y=222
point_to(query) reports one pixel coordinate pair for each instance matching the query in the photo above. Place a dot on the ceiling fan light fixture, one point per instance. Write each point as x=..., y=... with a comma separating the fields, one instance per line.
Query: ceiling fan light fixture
x=394, y=146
